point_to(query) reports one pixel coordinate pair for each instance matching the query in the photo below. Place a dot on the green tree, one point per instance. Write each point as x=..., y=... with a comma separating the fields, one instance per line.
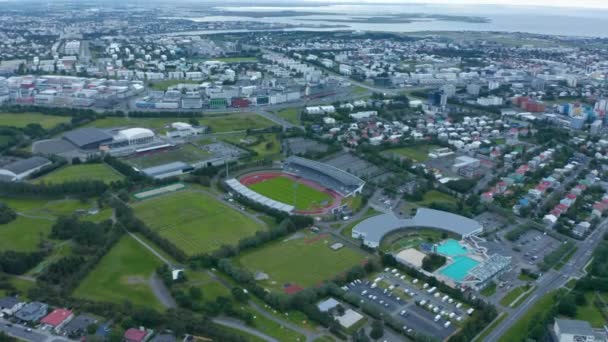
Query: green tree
x=377, y=330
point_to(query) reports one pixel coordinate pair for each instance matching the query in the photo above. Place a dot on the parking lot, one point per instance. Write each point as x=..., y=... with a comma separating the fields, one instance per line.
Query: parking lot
x=435, y=318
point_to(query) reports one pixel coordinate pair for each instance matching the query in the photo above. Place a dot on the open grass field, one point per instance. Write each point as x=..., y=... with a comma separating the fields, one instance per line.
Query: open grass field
x=23, y=234
x=284, y=190
x=437, y=197
x=122, y=274
x=419, y=153
x=217, y=122
x=590, y=313
x=157, y=124
x=302, y=259
x=21, y=120
x=519, y=330
x=22, y=286
x=81, y=172
x=195, y=221
x=235, y=122
x=289, y=115
x=265, y=145
x=187, y=153
x=50, y=209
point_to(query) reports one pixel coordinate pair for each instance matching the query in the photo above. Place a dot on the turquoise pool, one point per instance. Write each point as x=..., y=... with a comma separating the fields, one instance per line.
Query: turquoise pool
x=459, y=268
x=451, y=248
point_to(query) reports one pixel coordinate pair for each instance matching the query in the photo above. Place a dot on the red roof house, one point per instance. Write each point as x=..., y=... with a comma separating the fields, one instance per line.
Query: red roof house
x=136, y=335
x=58, y=318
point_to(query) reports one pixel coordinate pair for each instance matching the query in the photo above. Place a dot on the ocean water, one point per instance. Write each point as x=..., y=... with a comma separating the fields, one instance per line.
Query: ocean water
x=539, y=20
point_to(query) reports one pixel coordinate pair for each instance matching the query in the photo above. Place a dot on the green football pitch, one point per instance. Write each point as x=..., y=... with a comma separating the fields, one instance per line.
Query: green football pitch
x=195, y=221
x=288, y=191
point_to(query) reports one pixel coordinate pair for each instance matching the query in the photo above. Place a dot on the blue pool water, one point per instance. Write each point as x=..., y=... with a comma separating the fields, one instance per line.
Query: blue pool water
x=459, y=268
x=451, y=248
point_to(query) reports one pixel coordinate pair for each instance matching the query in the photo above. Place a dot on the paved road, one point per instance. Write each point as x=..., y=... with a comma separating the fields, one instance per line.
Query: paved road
x=161, y=292
x=148, y=247
x=553, y=280
x=36, y=335
x=234, y=324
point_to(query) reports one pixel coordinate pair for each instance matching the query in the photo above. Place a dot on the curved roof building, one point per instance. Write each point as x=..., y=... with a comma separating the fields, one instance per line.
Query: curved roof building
x=373, y=229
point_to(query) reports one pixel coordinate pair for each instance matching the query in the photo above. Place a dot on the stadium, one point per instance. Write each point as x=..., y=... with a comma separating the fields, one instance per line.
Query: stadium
x=303, y=187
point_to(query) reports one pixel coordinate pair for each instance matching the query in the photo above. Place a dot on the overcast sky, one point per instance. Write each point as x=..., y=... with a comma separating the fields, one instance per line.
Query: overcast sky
x=557, y=3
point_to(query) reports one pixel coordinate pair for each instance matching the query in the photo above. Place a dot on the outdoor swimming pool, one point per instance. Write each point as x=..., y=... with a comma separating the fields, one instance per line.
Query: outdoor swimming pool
x=451, y=248
x=458, y=269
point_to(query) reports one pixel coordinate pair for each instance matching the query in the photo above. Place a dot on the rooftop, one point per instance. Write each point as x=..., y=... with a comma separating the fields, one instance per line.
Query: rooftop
x=56, y=317
x=25, y=165
x=85, y=136
x=374, y=228
x=575, y=327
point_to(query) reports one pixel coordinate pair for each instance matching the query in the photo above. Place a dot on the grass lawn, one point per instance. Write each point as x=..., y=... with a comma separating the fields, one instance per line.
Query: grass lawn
x=284, y=190
x=302, y=259
x=589, y=312
x=22, y=286
x=265, y=145
x=411, y=238
x=290, y=115
x=157, y=124
x=526, y=277
x=20, y=120
x=519, y=331
x=565, y=259
x=419, y=153
x=81, y=172
x=195, y=221
x=122, y=274
x=512, y=295
x=247, y=336
x=272, y=328
x=187, y=153
x=23, y=234
x=51, y=209
x=437, y=197
x=235, y=122
x=489, y=290
x=217, y=122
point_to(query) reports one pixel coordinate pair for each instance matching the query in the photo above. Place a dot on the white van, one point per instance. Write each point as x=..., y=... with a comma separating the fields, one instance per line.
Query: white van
x=447, y=324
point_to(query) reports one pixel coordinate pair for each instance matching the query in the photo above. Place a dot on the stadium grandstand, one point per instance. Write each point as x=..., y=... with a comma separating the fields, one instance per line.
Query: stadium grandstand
x=330, y=177
x=244, y=191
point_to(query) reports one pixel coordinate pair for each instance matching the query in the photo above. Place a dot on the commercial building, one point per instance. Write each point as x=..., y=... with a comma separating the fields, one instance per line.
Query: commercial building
x=32, y=312
x=373, y=229
x=20, y=169
x=88, y=138
x=569, y=330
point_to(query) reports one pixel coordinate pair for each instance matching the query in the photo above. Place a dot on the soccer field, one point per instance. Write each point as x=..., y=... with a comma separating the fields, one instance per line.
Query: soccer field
x=302, y=259
x=80, y=172
x=285, y=190
x=20, y=120
x=195, y=221
x=122, y=274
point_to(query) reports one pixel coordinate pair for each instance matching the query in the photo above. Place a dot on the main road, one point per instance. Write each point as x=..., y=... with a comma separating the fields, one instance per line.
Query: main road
x=553, y=280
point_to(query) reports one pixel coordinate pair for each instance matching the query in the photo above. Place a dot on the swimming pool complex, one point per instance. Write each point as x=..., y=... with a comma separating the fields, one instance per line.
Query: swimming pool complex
x=451, y=248
x=459, y=268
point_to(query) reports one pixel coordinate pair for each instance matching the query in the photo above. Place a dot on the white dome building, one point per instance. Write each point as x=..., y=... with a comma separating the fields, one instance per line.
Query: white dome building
x=135, y=136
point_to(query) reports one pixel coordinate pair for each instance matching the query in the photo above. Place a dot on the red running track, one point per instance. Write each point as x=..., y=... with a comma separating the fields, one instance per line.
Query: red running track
x=258, y=177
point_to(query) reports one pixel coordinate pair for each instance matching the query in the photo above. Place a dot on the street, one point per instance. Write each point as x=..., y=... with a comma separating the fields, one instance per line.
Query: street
x=553, y=280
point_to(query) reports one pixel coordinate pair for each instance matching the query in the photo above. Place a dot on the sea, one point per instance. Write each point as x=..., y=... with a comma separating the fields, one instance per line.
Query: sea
x=530, y=19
